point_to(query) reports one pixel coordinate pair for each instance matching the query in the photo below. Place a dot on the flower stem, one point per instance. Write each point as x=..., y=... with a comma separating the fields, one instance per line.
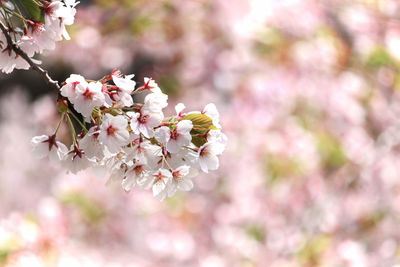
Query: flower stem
x=166, y=162
x=76, y=118
x=59, y=123
x=71, y=126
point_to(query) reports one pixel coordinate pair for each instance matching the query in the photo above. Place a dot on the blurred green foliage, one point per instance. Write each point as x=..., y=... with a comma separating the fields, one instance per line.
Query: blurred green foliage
x=91, y=211
x=311, y=253
x=380, y=57
x=330, y=151
x=281, y=166
x=257, y=232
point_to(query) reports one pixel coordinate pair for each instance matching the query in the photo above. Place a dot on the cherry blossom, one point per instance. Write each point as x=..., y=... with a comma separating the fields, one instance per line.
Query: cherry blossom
x=87, y=98
x=158, y=182
x=132, y=142
x=90, y=143
x=181, y=180
x=69, y=90
x=208, y=159
x=136, y=172
x=113, y=132
x=177, y=138
x=38, y=36
x=144, y=122
x=121, y=93
x=45, y=145
x=76, y=160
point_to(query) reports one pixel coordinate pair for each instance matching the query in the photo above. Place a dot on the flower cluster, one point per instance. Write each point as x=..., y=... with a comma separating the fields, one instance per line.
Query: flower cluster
x=134, y=142
x=35, y=33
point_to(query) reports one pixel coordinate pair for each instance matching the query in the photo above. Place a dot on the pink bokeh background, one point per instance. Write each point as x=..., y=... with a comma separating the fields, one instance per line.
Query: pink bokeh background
x=308, y=93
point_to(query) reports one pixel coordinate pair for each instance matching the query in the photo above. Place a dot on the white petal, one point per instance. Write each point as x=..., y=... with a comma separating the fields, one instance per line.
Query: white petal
x=203, y=165
x=162, y=134
x=128, y=183
x=185, y=184
x=184, y=140
x=158, y=187
x=184, y=126
x=179, y=108
x=146, y=131
x=212, y=162
x=211, y=111
x=125, y=84
x=62, y=150
x=173, y=146
x=40, y=149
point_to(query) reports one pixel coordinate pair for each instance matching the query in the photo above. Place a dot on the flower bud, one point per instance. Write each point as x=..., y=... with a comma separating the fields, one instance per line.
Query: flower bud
x=62, y=105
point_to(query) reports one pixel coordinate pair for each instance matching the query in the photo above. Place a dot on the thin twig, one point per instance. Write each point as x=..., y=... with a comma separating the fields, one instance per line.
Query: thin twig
x=33, y=65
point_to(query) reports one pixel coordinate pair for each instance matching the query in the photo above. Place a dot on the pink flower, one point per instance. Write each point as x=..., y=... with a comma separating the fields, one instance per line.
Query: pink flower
x=144, y=122
x=113, y=132
x=176, y=138
x=45, y=145
x=87, y=98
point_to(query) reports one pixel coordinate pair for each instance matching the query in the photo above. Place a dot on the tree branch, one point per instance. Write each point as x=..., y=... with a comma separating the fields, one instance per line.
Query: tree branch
x=33, y=65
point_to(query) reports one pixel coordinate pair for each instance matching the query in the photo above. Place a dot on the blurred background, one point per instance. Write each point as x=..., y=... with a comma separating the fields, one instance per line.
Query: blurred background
x=308, y=92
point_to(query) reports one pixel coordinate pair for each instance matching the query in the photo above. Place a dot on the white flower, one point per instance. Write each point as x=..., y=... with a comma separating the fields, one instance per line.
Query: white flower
x=53, y=29
x=144, y=149
x=117, y=173
x=57, y=15
x=151, y=85
x=144, y=122
x=28, y=45
x=155, y=102
x=181, y=180
x=136, y=172
x=179, y=110
x=45, y=36
x=219, y=139
x=76, y=160
x=8, y=59
x=160, y=182
x=67, y=12
x=113, y=132
x=40, y=36
x=108, y=164
x=88, y=98
x=69, y=89
x=208, y=159
x=176, y=138
x=211, y=111
x=187, y=156
x=122, y=95
x=45, y=145
x=91, y=145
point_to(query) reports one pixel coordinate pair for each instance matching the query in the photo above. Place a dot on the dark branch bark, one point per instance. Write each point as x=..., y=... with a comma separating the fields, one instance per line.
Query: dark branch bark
x=33, y=65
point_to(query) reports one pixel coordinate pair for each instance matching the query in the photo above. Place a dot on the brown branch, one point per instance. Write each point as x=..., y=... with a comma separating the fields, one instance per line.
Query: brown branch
x=33, y=65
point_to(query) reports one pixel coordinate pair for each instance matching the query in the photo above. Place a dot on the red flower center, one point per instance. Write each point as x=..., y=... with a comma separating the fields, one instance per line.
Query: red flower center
x=143, y=118
x=88, y=94
x=174, y=134
x=111, y=130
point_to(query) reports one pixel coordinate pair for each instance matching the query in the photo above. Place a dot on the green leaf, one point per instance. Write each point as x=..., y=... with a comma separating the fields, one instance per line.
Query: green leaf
x=201, y=124
x=32, y=8
x=198, y=141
